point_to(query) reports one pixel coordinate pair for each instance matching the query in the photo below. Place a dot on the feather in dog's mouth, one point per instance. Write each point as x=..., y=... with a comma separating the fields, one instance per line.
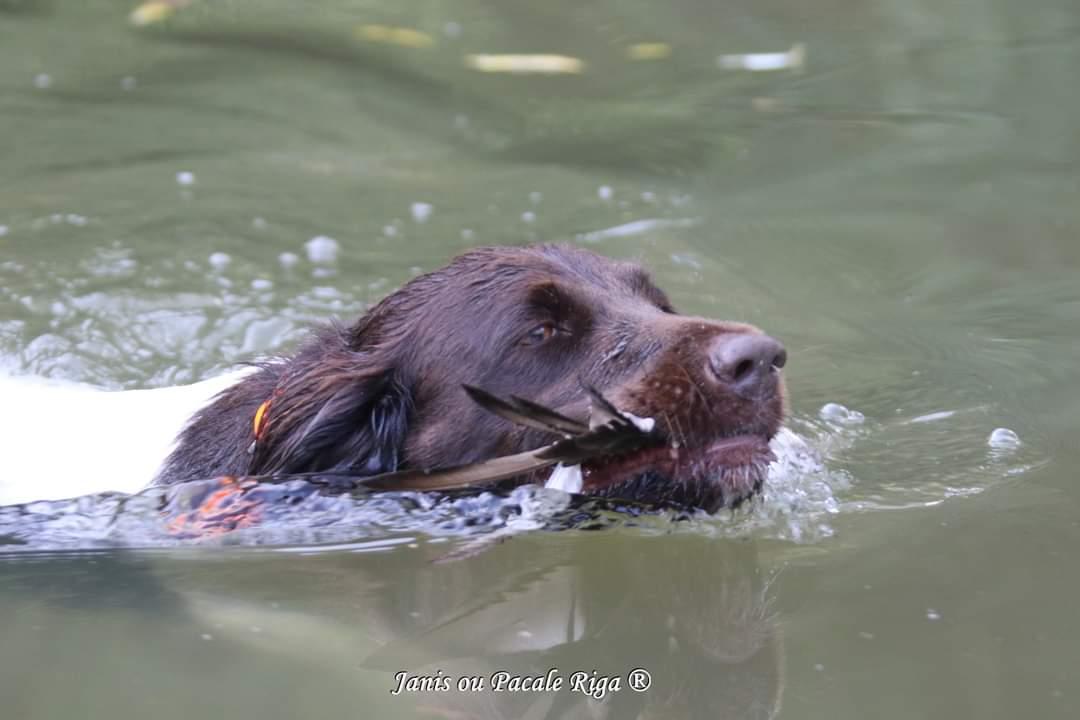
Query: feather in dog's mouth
x=613, y=454
x=722, y=473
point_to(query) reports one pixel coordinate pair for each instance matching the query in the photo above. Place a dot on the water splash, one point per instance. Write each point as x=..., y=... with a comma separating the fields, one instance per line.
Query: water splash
x=819, y=475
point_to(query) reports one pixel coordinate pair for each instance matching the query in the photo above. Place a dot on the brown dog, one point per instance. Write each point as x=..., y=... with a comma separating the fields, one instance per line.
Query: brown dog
x=542, y=323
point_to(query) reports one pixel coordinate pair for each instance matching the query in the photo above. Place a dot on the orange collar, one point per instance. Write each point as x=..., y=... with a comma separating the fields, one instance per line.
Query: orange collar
x=261, y=420
x=262, y=416
x=259, y=424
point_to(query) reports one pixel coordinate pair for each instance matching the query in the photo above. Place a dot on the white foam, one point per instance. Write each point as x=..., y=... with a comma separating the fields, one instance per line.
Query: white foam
x=837, y=413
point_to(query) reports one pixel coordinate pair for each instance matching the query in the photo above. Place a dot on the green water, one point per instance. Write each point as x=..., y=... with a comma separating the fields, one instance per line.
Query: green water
x=902, y=212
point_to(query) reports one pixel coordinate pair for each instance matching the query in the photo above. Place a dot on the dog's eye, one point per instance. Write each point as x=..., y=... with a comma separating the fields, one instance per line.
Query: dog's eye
x=541, y=333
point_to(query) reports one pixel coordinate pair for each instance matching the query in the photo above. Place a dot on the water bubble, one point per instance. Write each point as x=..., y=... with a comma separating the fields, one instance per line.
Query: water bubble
x=819, y=667
x=604, y=192
x=648, y=196
x=528, y=216
x=837, y=413
x=219, y=261
x=468, y=234
x=288, y=259
x=185, y=178
x=322, y=249
x=686, y=259
x=43, y=81
x=421, y=211
x=128, y=83
x=1003, y=439
x=261, y=284
x=207, y=636
x=325, y=292
x=389, y=231
x=258, y=223
x=3, y=230
x=932, y=614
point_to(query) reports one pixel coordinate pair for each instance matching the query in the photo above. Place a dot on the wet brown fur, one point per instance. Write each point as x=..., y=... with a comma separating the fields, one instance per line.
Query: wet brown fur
x=385, y=393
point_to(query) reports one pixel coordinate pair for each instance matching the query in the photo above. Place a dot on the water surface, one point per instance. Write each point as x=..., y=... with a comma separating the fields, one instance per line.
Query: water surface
x=900, y=210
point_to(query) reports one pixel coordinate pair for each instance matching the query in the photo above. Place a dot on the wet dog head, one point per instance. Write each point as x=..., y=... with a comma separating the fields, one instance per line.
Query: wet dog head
x=540, y=323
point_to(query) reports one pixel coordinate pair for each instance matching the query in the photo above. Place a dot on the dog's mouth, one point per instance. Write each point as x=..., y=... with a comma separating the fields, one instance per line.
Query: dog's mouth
x=722, y=473
x=619, y=455
x=614, y=454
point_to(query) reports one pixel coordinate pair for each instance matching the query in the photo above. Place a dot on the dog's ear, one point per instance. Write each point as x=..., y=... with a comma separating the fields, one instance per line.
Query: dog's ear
x=343, y=413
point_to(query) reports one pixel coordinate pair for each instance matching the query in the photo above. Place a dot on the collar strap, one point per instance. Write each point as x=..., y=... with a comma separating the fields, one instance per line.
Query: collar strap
x=262, y=416
x=259, y=423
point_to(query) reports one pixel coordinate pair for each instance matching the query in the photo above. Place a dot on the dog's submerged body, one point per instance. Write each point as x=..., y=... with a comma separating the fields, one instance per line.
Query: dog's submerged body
x=542, y=323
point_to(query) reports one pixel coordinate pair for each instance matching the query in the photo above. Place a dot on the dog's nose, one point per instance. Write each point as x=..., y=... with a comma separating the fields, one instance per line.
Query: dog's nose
x=745, y=362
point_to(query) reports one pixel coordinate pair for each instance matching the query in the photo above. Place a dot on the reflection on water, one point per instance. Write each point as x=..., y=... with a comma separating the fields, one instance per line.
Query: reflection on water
x=897, y=203
x=692, y=612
